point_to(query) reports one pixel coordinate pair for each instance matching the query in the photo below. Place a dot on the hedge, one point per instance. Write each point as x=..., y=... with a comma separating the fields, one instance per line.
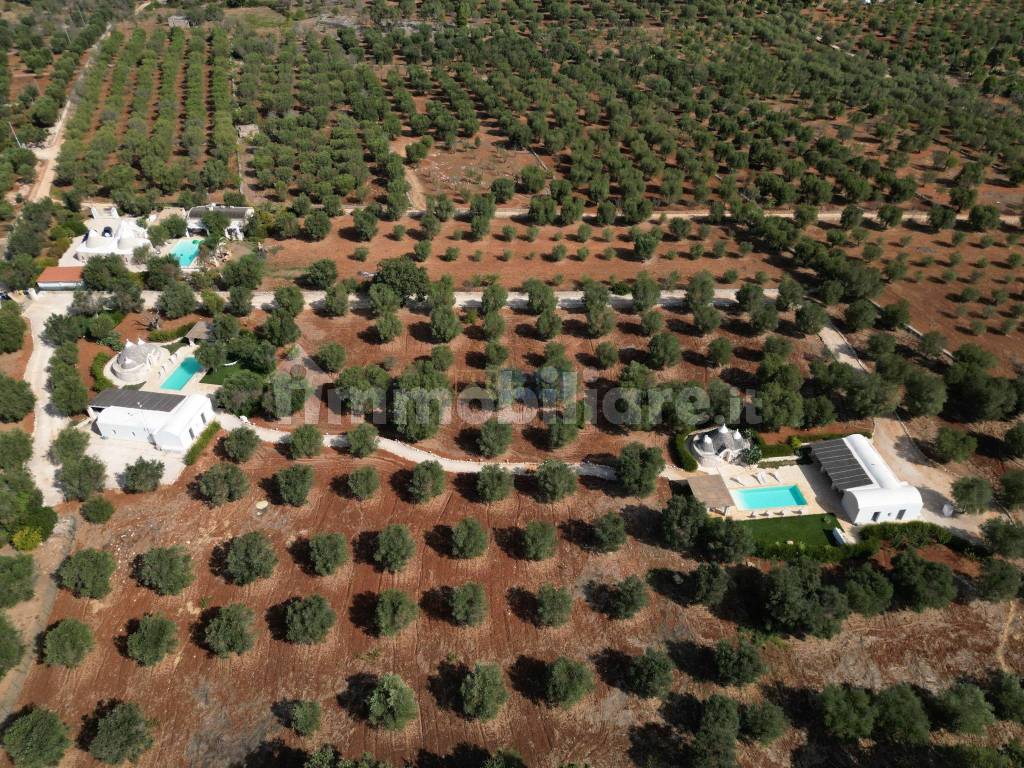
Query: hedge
x=788, y=448
x=204, y=439
x=99, y=381
x=681, y=454
x=170, y=334
x=915, y=533
x=821, y=553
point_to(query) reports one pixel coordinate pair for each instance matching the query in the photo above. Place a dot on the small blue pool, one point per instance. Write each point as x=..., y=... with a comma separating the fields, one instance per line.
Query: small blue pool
x=769, y=497
x=181, y=375
x=186, y=251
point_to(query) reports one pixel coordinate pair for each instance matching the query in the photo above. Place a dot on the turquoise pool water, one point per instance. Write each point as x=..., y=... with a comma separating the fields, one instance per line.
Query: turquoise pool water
x=768, y=497
x=186, y=252
x=180, y=376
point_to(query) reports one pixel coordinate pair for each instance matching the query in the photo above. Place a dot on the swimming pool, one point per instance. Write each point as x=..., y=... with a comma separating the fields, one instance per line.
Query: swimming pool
x=768, y=497
x=186, y=252
x=181, y=375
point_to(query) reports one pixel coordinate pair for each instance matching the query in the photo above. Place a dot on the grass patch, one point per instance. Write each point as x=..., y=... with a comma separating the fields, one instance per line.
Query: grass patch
x=217, y=377
x=809, y=530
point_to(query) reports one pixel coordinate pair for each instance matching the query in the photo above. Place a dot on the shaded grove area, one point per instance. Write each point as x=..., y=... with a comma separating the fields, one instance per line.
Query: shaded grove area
x=229, y=711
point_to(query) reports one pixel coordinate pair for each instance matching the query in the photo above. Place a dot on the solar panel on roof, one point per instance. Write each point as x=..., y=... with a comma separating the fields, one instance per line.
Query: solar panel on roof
x=137, y=398
x=838, y=462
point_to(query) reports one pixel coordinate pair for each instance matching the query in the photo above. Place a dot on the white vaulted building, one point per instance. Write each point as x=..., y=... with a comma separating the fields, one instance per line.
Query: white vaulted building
x=871, y=492
x=167, y=421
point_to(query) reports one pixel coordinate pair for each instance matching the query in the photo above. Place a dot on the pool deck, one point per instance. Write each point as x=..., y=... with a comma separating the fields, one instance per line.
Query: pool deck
x=817, y=491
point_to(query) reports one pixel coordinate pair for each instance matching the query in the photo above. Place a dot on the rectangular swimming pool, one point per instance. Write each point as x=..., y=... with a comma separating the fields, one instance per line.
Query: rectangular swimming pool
x=186, y=252
x=181, y=375
x=769, y=497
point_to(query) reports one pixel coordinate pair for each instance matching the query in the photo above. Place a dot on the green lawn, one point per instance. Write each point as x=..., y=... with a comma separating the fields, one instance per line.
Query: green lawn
x=217, y=377
x=808, y=529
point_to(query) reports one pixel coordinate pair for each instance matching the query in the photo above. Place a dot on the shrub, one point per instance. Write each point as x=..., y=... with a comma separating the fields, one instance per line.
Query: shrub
x=305, y=442
x=609, y=532
x=16, y=399
x=1004, y=537
x=901, y=717
x=964, y=710
x=494, y=439
x=122, y=733
x=293, y=484
x=87, y=573
x=362, y=440
x=363, y=482
x=11, y=647
x=395, y=610
x=331, y=357
x=304, y=717
x=69, y=444
x=142, y=476
x=67, y=643
x=469, y=604
x=567, y=682
x=166, y=570
x=240, y=443
x=554, y=605
x=848, y=713
x=427, y=481
x=954, y=445
x=763, y=722
x=391, y=704
x=555, y=481
x=638, y=468
x=230, y=630
x=327, y=553
x=483, y=692
x=205, y=438
x=15, y=449
x=999, y=580
x=17, y=580
x=627, y=598
x=710, y=583
x=36, y=738
x=395, y=548
x=222, y=483
x=308, y=620
x=469, y=539
x=1007, y=697
x=154, y=638
x=539, y=540
x=922, y=584
x=738, y=664
x=650, y=674
x=493, y=483
x=250, y=557
x=868, y=591
x=80, y=478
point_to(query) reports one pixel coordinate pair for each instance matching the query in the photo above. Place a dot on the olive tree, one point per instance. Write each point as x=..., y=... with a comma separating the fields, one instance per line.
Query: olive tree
x=165, y=570
x=250, y=557
x=395, y=548
x=153, y=638
x=67, y=643
x=483, y=692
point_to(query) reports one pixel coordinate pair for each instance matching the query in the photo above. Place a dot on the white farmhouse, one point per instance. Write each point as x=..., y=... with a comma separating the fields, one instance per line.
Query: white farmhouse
x=871, y=492
x=167, y=421
x=237, y=216
x=109, y=233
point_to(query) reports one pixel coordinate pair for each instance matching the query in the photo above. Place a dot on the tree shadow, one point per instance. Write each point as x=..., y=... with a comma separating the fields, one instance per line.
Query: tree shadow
x=580, y=533
x=439, y=539
x=693, y=659
x=275, y=616
x=682, y=711
x=436, y=603
x=445, y=685
x=612, y=667
x=670, y=584
x=364, y=546
x=654, y=745
x=358, y=688
x=528, y=676
x=362, y=612
x=643, y=523
x=523, y=604
x=462, y=756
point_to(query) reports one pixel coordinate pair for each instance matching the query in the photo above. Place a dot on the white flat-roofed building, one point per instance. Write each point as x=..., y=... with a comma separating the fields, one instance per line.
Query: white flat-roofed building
x=167, y=421
x=237, y=217
x=871, y=492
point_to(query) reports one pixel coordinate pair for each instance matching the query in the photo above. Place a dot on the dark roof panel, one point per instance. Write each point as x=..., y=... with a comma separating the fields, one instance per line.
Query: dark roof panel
x=137, y=398
x=839, y=463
